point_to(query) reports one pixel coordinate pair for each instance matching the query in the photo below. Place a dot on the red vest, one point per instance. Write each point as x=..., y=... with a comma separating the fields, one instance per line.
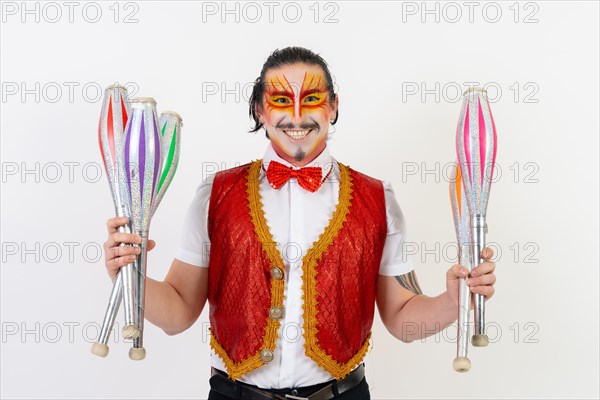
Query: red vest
x=245, y=288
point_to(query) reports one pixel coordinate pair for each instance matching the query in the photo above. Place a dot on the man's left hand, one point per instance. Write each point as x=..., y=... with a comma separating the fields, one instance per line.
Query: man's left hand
x=480, y=281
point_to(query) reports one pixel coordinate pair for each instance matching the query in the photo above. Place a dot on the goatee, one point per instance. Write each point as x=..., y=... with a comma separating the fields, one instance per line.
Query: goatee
x=300, y=154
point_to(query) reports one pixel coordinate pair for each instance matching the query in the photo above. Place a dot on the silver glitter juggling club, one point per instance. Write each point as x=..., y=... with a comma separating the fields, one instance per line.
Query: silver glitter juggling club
x=170, y=139
x=462, y=225
x=113, y=119
x=142, y=165
x=476, y=144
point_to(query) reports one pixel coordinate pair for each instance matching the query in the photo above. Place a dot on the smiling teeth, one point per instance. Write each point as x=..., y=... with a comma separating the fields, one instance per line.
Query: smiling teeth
x=297, y=134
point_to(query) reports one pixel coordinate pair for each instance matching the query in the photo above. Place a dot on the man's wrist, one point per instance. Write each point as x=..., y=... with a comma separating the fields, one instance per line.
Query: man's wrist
x=449, y=301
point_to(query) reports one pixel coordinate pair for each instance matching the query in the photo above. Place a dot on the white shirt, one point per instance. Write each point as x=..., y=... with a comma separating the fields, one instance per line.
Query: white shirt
x=296, y=218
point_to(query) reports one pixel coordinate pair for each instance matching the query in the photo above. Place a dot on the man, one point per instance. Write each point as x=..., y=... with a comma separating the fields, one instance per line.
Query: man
x=301, y=248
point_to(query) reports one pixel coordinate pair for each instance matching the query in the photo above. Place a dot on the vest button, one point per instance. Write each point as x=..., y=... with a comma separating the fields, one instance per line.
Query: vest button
x=277, y=273
x=276, y=312
x=266, y=355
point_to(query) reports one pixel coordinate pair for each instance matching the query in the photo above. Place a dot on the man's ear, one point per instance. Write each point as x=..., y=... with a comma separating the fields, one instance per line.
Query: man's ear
x=258, y=110
x=334, y=106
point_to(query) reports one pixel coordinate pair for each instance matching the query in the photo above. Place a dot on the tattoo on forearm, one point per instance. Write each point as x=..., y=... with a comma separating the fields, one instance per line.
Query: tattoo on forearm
x=410, y=282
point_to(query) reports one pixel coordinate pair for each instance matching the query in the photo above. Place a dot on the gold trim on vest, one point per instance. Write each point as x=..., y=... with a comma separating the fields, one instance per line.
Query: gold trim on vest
x=309, y=264
x=236, y=370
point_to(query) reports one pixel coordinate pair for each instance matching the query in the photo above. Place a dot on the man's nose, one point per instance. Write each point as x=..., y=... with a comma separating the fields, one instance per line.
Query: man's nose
x=297, y=113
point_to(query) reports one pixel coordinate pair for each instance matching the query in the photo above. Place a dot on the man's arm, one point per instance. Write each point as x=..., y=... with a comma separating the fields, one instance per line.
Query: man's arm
x=410, y=315
x=176, y=303
x=407, y=313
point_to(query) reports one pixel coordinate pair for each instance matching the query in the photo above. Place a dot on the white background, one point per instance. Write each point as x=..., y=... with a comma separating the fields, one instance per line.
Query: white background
x=543, y=214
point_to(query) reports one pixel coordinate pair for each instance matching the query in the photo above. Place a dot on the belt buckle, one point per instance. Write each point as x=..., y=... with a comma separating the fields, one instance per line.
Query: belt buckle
x=290, y=397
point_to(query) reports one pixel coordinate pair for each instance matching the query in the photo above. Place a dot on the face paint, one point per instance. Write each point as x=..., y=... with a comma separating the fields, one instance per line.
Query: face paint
x=281, y=95
x=296, y=110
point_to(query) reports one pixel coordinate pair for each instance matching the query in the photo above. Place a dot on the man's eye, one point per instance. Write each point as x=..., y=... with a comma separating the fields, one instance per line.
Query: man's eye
x=281, y=100
x=313, y=98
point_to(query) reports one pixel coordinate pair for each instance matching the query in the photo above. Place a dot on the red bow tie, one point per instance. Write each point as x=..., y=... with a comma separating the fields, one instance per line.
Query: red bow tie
x=310, y=178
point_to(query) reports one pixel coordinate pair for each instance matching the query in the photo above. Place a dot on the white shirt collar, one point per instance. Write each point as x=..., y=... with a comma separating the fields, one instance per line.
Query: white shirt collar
x=323, y=160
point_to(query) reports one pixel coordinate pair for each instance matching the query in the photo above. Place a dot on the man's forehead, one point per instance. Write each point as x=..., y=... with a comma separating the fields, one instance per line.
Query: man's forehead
x=295, y=77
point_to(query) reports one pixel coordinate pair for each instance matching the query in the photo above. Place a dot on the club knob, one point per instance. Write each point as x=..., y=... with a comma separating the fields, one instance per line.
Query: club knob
x=100, y=349
x=480, y=340
x=461, y=364
x=131, y=332
x=137, y=354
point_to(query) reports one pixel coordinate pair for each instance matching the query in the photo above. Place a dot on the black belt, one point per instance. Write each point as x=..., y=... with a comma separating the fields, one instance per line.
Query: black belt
x=220, y=383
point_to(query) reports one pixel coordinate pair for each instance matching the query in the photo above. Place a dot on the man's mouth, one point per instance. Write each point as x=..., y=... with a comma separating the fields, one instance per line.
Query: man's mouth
x=297, y=134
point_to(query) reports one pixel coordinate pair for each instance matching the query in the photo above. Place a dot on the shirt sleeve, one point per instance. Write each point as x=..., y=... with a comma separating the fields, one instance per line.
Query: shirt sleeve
x=394, y=261
x=195, y=243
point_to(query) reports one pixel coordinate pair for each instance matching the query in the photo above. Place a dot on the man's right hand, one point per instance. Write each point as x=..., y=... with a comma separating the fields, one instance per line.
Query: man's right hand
x=173, y=304
x=116, y=256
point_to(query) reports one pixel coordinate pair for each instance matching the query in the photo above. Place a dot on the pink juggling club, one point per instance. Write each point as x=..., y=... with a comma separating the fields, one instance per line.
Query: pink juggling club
x=476, y=145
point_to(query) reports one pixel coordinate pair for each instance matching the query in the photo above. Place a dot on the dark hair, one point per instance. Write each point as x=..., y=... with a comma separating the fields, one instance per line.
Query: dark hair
x=287, y=56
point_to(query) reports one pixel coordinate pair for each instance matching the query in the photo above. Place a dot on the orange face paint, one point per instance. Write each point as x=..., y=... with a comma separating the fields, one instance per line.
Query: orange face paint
x=280, y=95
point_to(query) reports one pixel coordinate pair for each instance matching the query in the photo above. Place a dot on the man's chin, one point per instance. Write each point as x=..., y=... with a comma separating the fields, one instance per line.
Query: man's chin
x=296, y=152
x=294, y=149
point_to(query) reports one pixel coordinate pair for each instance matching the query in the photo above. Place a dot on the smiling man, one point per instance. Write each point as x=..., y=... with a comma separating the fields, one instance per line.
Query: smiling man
x=295, y=110
x=302, y=247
